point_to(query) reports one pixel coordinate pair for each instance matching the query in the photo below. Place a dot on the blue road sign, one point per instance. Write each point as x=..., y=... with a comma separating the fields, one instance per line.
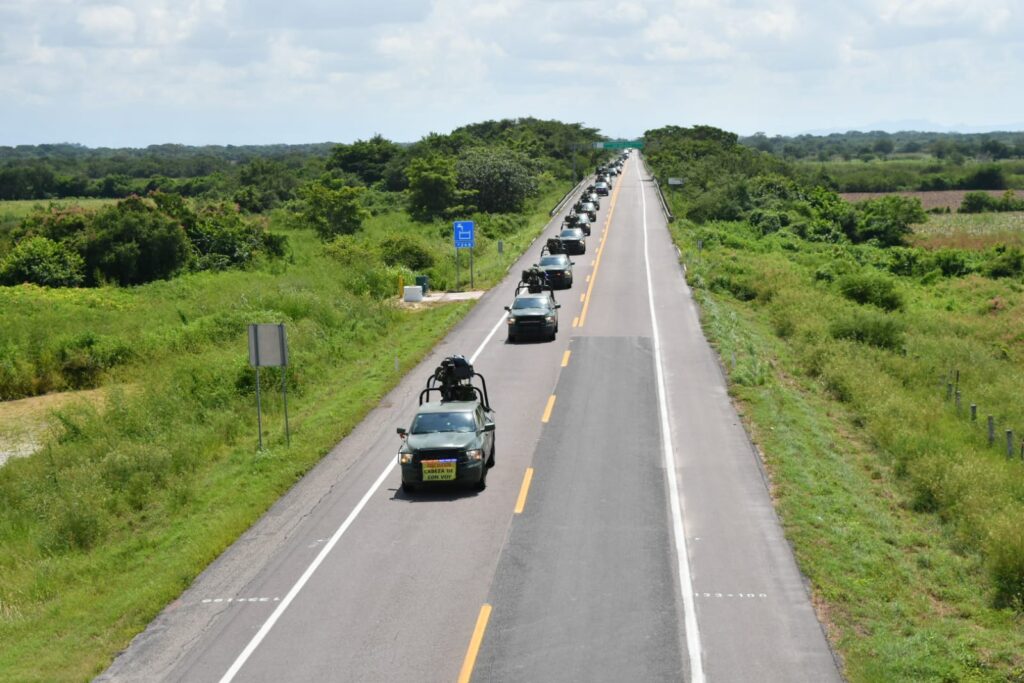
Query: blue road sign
x=463, y=235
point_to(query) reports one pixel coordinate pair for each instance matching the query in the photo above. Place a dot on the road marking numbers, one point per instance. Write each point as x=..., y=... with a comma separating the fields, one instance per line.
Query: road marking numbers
x=547, y=410
x=523, y=490
x=239, y=600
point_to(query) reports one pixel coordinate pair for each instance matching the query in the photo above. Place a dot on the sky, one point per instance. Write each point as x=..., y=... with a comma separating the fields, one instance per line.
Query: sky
x=131, y=73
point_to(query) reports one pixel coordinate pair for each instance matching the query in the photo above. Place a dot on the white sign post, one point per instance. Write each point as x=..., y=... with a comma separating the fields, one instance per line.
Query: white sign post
x=268, y=347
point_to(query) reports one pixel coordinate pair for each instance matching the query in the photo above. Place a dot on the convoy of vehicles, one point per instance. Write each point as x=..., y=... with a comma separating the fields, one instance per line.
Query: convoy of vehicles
x=451, y=438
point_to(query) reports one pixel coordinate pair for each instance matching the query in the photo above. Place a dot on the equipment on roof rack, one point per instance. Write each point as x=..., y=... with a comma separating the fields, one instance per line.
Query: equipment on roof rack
x=453, y=379
x=534, y=280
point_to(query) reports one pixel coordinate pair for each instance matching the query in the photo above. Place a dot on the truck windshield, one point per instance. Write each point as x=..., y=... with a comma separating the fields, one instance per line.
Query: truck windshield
x=431, y=423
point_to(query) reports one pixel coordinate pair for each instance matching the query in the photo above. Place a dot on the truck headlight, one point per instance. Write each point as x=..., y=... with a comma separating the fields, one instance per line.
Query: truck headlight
x=474, y=454
x=549, y=318
x=404, y=458
x=511, y=320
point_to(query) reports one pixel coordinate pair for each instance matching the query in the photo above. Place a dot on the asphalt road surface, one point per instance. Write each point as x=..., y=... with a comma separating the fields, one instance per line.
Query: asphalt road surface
x=626, y=533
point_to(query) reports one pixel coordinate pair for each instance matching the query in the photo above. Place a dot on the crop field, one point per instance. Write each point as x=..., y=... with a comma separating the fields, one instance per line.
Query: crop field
x=938, y=199
x=975, y=231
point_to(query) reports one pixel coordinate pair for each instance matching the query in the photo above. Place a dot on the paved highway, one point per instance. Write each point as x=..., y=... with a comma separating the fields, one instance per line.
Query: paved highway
x=626, y=533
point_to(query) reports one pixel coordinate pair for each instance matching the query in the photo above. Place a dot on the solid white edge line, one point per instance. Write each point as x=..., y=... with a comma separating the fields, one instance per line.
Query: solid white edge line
x=693, y=646
x=230, y=674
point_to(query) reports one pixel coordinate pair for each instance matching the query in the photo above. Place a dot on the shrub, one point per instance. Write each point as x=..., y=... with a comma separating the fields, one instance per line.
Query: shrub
x=888, y=219
x=871, y=288
x=990, y=177
x=1005, y=262
x=951, y=262
x=977, y=202
x=502, y=178
x=42, y=261
x=133, y=243
x=406, y=250
x=332, y=211
x=868, y=327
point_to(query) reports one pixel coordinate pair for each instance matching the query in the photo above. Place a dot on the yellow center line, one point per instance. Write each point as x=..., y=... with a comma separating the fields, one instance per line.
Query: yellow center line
x=600, y=251
x=588, y=278
x=548, y=409
x=582, y=297
x=523, y=490
x=565, y=358
x=474, y=644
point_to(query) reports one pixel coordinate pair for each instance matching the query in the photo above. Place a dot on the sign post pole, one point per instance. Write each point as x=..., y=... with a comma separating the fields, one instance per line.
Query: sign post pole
x=284, y=385
x=268, y=347
x=463, y=236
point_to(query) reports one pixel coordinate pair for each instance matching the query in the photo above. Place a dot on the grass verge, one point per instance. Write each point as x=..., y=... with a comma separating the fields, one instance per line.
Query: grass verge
x=899, y=513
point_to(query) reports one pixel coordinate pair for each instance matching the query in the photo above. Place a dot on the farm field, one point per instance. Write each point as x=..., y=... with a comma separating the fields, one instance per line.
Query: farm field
x=936, y=199
x=972, y=231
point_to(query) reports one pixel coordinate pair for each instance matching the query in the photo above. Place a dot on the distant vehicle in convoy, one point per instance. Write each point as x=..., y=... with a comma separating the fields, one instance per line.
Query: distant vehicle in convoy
x=451, y=439
x=557, y=270
x=587, y=208
x=573, y=241
x=601, y=188
x=591, y=196
x=578, y=220
x=533, y=315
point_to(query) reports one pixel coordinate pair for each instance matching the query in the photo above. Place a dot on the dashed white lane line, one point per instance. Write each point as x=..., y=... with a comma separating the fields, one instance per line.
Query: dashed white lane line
x=237, y=601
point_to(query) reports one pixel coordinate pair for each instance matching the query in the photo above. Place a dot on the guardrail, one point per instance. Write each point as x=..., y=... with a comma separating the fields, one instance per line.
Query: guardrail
x=661, y=195
x=568, y=195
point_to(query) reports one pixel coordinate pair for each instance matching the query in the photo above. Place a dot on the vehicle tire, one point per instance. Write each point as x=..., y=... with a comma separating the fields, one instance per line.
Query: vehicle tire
x=511, y=338
x=490, y=460
x=554, y=333
x=482, y=484
x=407, y=487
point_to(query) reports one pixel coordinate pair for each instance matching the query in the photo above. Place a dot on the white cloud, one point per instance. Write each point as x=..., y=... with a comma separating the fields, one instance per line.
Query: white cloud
x=347, y=69
x=110, y=24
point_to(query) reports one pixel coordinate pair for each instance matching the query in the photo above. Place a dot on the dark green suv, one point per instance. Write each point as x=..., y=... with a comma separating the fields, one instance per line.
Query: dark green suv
x=533, y=315
x=450, y=440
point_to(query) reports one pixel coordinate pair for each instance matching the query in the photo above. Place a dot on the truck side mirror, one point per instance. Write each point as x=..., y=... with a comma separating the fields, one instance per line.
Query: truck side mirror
x=508, y=308
x=401, y=432
x=489, y=427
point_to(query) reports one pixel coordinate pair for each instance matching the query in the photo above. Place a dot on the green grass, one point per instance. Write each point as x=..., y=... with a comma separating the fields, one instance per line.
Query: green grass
x=121, y=511
x=905, y=521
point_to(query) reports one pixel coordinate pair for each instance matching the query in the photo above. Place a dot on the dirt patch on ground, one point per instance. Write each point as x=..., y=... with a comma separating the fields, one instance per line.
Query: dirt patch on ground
x=25, y=423
x=929, y=200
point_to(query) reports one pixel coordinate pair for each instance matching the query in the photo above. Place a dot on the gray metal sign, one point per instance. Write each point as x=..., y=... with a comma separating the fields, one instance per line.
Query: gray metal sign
x=268, y=346
x=675, y=181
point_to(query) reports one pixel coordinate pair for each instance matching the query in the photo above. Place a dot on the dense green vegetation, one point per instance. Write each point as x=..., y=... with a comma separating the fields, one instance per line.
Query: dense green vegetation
x=903, y=517
x=880, y=144
x=907, y=161
x=131, y=499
